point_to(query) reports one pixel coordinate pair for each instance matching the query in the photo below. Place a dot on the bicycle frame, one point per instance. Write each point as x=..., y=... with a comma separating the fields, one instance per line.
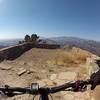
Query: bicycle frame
x=44, y=96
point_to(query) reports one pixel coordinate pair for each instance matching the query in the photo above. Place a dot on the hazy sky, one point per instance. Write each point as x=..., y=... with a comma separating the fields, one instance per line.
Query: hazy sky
x=49, y=18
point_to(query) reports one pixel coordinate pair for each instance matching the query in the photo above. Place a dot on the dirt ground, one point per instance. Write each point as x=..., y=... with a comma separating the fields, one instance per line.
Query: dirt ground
x=39, y=65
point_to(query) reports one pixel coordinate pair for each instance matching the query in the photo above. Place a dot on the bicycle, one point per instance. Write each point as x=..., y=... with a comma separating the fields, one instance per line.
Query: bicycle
x=44, y=92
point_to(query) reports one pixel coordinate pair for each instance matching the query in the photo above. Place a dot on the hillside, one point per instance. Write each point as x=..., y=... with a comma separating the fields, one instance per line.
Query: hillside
x=48, y=68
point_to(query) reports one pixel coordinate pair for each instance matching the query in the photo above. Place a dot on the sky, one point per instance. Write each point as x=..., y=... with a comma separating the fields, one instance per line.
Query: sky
x=50, y=18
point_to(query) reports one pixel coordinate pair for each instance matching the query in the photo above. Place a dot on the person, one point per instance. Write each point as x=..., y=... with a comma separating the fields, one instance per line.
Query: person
x=95, y=77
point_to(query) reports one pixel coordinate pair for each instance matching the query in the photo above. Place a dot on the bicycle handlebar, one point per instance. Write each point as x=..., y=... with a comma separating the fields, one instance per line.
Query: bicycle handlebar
x=34, y=90
x=76, y=85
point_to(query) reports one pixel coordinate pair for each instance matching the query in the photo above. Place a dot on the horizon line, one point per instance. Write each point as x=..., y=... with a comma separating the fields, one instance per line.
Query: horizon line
x=50, y=38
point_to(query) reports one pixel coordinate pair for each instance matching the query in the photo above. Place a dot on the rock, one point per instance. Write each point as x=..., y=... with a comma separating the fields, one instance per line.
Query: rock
x=29, y=72
x=91, y=66
x=67, y=76
x=95, y=57
x=53, y=77
x=21, y=71
x=5, y=67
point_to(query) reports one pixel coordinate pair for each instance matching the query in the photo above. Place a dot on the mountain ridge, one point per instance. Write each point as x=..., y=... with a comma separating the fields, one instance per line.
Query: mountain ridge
x=89, y=45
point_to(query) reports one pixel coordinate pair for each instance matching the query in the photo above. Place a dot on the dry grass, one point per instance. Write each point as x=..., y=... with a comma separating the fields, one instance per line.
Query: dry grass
x=73, y=57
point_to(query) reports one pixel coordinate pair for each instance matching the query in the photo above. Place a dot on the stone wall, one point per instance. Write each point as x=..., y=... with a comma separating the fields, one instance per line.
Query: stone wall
x=47, y=46
x=12, y=52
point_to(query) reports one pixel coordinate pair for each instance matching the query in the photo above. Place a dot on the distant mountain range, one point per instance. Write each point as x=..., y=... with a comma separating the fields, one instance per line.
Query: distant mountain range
x=9, y=42
x=89, y=45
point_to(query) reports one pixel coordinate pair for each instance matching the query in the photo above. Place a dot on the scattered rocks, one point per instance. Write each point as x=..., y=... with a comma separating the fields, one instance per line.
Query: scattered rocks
x=21, y=71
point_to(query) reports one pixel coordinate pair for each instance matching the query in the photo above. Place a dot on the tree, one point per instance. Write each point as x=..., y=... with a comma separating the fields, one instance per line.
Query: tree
x=34, y=38
x=20, y=42
x=27, y=38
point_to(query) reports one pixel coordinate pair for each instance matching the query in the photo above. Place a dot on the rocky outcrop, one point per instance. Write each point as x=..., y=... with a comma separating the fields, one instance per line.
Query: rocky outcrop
x=91, y=64
x=12, y=52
